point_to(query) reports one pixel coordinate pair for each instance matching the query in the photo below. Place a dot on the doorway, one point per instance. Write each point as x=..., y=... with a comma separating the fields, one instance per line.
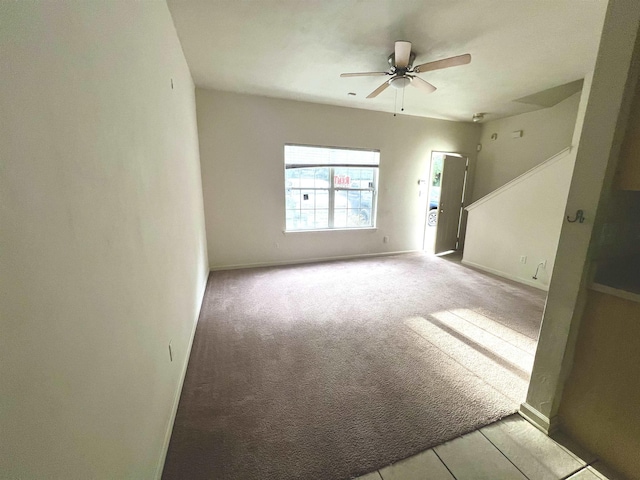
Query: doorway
x=445, y=201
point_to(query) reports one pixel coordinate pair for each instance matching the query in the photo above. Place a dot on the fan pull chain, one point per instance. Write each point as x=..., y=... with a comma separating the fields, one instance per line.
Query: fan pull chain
x=402, y=109
x=395, y=103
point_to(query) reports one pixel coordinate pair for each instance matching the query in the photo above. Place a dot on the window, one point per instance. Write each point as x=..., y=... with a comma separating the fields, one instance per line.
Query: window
x=330, y=188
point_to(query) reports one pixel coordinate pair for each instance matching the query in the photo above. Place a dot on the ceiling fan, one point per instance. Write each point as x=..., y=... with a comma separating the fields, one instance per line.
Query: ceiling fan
x=403, y=73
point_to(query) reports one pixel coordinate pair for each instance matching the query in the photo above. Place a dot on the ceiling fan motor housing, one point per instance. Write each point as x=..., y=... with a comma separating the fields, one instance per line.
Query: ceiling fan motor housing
x=392, y=62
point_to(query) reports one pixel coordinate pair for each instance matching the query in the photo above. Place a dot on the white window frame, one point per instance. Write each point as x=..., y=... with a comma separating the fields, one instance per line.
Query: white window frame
x=373, y=162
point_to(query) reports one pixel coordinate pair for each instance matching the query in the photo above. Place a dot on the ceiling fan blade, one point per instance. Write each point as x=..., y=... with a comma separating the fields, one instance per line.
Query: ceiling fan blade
x=420, y=84
x=402, y=53
x=364, y=74
x=378, y=90
x=444, y=63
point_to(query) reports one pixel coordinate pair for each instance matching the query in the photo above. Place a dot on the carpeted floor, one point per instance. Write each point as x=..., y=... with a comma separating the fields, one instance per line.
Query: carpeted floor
x=330, y=370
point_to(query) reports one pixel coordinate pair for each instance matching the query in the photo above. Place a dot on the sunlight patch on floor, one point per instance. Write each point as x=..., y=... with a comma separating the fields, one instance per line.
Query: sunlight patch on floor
x=500, y=330
x=488, y=349
x=498, y=344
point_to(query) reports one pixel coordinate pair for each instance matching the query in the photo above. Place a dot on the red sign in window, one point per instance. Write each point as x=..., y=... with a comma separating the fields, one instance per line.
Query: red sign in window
x=341, y=180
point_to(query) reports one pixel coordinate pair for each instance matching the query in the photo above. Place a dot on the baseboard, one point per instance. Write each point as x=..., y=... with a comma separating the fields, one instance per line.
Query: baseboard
x=538, y=420
x=308, y=260
x=176, y=400
x=505, y=275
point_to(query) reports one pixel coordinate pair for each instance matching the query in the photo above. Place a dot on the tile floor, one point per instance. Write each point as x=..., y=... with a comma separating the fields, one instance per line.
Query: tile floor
x=511, y=449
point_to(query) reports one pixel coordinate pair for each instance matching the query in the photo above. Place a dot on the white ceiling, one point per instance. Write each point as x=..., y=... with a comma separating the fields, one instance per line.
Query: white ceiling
x=297, y=49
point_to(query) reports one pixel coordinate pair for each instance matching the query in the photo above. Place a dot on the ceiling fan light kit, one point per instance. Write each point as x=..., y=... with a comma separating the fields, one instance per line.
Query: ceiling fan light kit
x=403, y=73
x=400, y=81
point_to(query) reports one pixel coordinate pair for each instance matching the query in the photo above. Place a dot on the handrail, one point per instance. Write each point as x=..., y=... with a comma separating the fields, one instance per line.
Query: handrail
x=549, y=161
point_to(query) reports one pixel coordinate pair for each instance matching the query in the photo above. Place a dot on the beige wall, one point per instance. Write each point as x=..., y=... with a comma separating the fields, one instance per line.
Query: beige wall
x=525, y=218
x=545, y=133
x=600, y=137
x=600, y=402
x=521, y=220
x=242, y=143
x=102, y=245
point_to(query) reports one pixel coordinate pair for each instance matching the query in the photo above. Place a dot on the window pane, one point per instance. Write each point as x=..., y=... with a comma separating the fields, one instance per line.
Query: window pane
x=341, y=178
x=361, y=177
x=366, y=200
x=300, y=177
x=322, y=219
x=293, y=220
x=354, y=199
x=322, y=198
x=292, y=198
x=360, y=208
x=291, y=175
x=365, y=218
x=307, y=199
x=307, y=219
x=340, y=218
x=340, y=199
x=359, y=218
x=353, y=208
x=322, y=177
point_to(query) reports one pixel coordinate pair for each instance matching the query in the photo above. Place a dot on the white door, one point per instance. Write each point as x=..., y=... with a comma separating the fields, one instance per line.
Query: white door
x=450, y=205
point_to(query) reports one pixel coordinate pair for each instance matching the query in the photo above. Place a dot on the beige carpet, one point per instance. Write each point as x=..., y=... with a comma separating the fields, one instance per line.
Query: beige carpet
x=330, y=370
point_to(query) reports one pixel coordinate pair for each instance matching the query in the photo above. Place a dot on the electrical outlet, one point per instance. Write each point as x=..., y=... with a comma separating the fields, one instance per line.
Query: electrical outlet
x=385, y=239
x=523, y=259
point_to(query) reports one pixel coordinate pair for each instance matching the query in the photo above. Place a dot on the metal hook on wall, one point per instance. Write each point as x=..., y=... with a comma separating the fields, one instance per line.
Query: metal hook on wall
x=578, y=218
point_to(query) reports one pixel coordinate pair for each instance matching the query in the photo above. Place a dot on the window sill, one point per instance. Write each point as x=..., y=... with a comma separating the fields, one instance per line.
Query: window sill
x=322, y=230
